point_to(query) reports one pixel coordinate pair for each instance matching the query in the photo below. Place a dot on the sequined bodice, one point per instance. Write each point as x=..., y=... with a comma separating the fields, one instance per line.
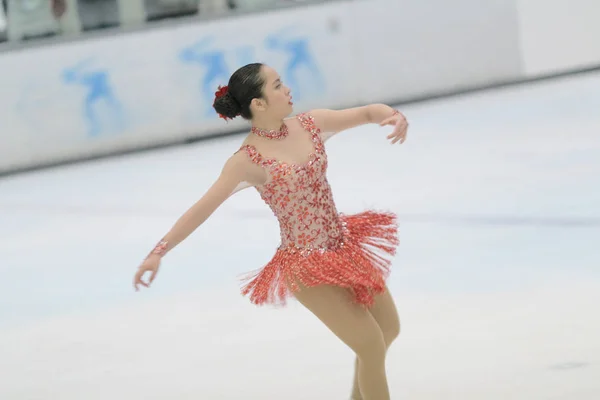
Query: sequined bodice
x=300, y=196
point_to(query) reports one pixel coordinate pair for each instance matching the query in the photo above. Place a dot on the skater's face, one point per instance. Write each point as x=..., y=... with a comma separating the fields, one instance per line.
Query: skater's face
x=277, y=96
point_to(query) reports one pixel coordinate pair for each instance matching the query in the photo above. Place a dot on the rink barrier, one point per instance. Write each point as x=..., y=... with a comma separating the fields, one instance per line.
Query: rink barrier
x=120, y=93
x=557, y=36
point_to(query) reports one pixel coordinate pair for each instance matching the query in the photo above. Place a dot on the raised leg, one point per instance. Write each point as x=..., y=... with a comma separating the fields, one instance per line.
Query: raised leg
x=357, y=328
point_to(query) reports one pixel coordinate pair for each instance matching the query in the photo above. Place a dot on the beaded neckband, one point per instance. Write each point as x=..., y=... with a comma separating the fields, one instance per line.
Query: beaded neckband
x=271, y=134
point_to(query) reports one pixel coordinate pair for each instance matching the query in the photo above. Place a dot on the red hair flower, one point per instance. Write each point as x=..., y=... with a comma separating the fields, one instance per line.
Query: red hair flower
x=221, y=91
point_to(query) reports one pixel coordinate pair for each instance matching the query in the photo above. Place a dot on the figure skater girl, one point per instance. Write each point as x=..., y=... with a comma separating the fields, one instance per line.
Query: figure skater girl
x=335, y=265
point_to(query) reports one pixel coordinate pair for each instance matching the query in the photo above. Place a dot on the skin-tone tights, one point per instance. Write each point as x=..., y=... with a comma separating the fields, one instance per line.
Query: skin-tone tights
x=368, y=332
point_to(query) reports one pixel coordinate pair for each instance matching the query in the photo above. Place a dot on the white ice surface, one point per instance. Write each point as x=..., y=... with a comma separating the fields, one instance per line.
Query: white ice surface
x=497, y=278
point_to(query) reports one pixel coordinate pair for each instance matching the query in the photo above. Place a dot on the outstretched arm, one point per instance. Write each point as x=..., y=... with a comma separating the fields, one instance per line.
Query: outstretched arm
x=231, y=176
x=235, y=176
x=332, y=122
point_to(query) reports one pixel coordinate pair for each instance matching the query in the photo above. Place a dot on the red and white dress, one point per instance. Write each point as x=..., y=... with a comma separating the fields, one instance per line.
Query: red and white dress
x=318, y=244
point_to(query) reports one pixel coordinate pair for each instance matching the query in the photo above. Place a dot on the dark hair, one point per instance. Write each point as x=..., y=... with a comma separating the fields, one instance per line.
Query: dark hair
x=244, y=85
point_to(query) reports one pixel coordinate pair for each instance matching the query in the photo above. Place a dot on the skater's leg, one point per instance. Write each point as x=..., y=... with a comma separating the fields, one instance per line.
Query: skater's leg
x=357, y=328
x=385, y=313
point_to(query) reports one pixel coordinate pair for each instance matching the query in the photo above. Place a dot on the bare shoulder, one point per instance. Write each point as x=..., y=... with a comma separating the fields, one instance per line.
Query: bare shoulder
x=240, y=168
x=237, y=163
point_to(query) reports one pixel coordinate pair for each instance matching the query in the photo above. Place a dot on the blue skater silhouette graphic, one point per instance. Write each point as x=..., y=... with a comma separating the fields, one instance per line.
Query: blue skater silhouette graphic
x=300, y=57
x=99, y=89
x=245, y=55
x=216, y=70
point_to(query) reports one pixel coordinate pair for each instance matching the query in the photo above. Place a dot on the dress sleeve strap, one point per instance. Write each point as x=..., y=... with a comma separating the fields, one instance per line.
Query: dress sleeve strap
x=253, y=154
x=308, y=123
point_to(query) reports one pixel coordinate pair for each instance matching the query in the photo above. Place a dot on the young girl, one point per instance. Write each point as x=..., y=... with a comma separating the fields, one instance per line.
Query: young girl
x=334, y=264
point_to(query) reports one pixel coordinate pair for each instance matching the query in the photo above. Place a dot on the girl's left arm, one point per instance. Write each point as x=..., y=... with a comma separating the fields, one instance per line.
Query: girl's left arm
x=331, y=122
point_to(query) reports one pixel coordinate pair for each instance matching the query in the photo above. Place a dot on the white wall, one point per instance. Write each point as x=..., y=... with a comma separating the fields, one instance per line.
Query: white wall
x=124, y=92
x=559, y=35
x=414, y=48
x=99, y=96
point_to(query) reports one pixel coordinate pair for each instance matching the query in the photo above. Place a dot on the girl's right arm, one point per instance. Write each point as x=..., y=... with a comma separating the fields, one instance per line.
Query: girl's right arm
x=236, y=175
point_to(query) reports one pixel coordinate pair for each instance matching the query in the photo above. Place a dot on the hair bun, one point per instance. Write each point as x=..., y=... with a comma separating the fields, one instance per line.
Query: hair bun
x=226, y=106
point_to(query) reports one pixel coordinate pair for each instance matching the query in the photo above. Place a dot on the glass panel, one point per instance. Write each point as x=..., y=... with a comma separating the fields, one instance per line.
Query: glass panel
x=162, y=9
x=3, y=22
x=255, y=4
x=28, y=19
x=31, y=19
x=98, y=14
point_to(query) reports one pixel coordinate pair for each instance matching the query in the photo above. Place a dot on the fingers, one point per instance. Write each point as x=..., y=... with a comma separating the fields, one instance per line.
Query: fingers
x=152, y=276
x=400, y=125
x=397, y=132
x=398, y=136
x=137, y=280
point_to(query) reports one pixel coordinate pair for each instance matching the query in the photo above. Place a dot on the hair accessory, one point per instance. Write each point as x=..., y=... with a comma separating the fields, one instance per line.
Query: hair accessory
x=221, y=91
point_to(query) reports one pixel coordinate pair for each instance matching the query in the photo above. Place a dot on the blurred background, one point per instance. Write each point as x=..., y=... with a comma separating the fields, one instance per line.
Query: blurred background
x=107, y=135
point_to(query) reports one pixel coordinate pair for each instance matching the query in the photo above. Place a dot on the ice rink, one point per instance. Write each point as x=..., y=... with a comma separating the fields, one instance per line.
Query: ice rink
x=497, y=279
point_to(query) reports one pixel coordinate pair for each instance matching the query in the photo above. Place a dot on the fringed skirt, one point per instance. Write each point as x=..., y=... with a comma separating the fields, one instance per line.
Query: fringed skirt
x=361, y=263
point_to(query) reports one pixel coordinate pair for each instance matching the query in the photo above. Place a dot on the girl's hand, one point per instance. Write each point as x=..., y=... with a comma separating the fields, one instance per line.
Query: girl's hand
x=400, y=125
x=151, y=265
